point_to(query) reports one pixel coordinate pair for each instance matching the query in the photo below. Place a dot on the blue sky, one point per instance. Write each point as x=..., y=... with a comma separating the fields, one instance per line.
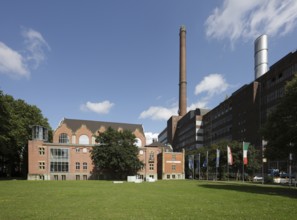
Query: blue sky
x=118, y=60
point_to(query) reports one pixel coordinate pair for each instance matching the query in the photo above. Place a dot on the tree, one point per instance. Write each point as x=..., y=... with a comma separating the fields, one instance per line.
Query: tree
x=4, y=123
x=280, y=129
x=5, y=127
x=15, y=133
x=116, y=154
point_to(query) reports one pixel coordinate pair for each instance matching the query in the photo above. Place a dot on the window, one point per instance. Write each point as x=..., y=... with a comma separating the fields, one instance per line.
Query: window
x=41, y=151
x=56, y=177
x=83, y=139
x=152, y=176
x=85, y=177
x=77, y=165
x=63, y=138
x=168, y=176
x=173, y=167
x=151, y=166
x=59, y=153
x=173, y=176
x=42, y=165
x=173, y=157
x=77, y=150
x=59, y=159
x=77, y=177
x=63, y=177
x=41, y=177
x=151, y=158
x=59, y=167
x=85, y=166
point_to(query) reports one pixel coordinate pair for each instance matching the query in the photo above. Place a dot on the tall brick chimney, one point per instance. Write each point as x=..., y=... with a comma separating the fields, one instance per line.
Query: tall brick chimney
x=182, y=73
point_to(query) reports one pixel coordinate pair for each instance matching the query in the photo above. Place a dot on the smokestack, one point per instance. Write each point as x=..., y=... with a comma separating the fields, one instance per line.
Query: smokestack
x=261, y=56
x=182, y=72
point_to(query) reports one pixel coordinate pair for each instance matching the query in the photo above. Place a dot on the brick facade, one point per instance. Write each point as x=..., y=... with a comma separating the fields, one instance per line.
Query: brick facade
x=68, y=157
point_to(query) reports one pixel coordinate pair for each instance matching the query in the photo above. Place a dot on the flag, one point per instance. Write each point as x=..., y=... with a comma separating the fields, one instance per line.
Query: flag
x=245, y=150
x=218, y=158
x=230, y=158
x=205, y=163
x=191, y=161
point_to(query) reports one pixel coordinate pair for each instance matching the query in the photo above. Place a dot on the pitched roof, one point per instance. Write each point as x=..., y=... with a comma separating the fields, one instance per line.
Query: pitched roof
x=167, y=148
x=75, y=124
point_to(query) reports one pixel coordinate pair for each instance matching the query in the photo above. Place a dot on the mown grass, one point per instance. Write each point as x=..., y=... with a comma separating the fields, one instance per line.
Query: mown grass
x=183, y=199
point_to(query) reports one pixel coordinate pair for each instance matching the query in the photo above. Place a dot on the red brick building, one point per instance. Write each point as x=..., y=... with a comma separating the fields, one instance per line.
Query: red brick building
x=172, y=165
x=68, y=157
x=160, y=162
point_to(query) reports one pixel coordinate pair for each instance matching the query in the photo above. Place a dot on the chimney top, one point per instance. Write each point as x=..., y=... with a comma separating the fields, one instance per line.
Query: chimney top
x=182, y=28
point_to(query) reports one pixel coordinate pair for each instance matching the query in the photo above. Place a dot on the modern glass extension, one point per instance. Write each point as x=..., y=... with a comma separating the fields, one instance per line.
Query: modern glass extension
x=59, y=159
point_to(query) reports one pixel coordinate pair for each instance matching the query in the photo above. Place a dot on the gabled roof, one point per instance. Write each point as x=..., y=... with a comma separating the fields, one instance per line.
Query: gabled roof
x=75, y=124
x=167, y=148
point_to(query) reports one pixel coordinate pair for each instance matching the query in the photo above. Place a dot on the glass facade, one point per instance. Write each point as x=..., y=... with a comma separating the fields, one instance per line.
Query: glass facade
x=59, y=159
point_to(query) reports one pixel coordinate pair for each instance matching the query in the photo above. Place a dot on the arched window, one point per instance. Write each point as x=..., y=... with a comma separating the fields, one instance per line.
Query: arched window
x=138, y=142
x=83, y=139
x=63, y=138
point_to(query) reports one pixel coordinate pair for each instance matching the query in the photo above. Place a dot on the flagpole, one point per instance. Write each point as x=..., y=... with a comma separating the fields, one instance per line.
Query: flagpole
x=199, y=166
x=242, y=162
x=193, y=160
x=216, y=165
x=228, y=173
x=206, y=165
x=228, y=170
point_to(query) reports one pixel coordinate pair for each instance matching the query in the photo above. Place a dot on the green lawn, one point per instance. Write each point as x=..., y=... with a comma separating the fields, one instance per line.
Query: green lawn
x=185, y=199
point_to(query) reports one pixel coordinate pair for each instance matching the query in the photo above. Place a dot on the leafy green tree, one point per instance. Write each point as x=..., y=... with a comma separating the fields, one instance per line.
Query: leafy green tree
x=5, y=127
x=19, y=119
x=4, y=123
x=280, y=129
x=116, y=154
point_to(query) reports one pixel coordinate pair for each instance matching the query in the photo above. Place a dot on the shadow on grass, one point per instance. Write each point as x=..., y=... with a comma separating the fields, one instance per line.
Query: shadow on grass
x=253, y=188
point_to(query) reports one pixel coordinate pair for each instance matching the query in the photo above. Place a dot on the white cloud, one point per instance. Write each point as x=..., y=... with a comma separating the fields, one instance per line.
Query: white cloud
x=12, y=63
x=35, y=46
x=99, y=107
x=163, y=114
x=150, y=136
x=158, y=113
x=200, y=104
x=249, y=19
x=212, y=84
x=18, y=65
